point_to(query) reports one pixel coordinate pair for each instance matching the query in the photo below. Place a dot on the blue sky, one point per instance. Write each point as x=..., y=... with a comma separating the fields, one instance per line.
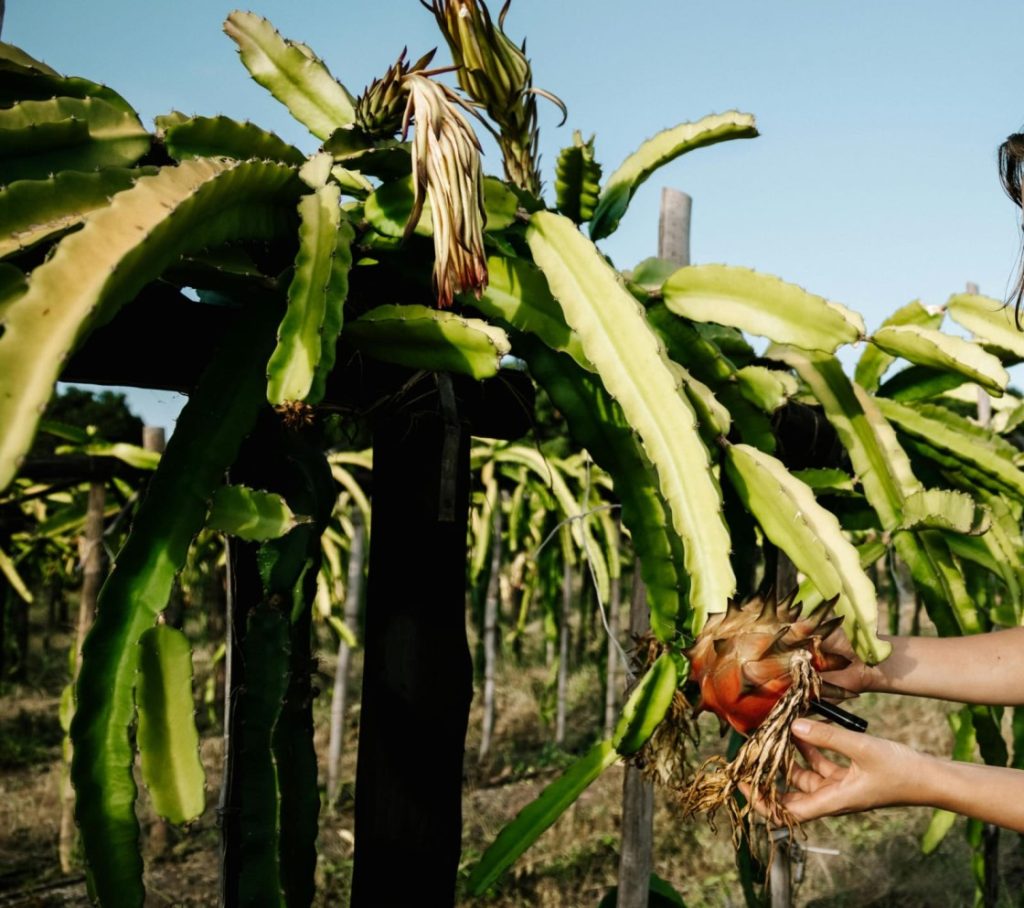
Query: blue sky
x=873, y=182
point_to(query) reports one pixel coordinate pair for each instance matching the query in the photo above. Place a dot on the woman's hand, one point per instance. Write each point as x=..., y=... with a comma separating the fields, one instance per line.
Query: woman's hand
x=979, y=668
x=880, y=773
x=857, y=677
x=883, y=773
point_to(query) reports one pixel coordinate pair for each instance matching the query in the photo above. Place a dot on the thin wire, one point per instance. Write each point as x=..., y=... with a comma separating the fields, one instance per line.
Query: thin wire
x=125, y=509
x=86, y=549
x=626, y=664
x=582, y=516
x=108, y=531
x=570, y=519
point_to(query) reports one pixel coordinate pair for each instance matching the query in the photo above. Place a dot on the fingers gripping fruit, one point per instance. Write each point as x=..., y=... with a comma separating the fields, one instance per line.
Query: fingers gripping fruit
x=743, y=659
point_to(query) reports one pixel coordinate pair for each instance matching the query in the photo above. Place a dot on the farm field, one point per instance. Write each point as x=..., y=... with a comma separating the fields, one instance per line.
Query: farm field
x=573, y=864
x=447, y=454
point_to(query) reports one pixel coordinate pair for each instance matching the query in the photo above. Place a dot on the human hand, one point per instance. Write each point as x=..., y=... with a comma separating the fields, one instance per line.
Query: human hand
x=880, y=773
x=857, y=677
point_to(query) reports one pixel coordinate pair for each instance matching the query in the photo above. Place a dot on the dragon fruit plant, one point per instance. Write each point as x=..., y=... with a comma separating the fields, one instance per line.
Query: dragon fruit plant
x=390, y=242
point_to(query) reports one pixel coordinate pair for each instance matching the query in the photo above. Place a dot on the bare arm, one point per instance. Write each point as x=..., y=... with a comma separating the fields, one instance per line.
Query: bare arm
x=983, y=668
x=884, y=774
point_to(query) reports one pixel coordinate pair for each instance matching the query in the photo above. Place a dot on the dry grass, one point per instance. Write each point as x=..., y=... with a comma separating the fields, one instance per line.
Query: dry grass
x=573, y=864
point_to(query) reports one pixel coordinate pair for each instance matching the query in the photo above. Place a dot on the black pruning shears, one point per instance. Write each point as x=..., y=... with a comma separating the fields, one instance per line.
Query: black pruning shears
x=839, y=716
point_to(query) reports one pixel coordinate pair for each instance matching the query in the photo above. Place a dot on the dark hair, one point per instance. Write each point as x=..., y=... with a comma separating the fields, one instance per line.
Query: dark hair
x=1011, y=172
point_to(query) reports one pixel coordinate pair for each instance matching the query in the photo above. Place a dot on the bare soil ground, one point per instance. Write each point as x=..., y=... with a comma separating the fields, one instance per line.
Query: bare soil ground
x=879, y=862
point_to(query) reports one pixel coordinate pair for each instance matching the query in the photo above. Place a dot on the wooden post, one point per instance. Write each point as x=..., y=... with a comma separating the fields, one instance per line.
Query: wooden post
x=417, y=674
x=154, y=438
x=780, y=875
x=562, y=683
x=490, y=641
x=94, y=562
x=339, y=698
x=20, y=621
x=54, y=593
x=636, y=859
x=674, y=226
x=636, y=854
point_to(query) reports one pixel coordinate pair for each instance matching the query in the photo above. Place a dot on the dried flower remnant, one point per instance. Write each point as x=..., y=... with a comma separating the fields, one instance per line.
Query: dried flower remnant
x=446, y=169
x=296, y=415
x=664, y=759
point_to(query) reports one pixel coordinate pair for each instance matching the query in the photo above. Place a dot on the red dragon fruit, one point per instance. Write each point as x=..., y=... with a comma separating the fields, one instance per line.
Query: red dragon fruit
x=743, y=658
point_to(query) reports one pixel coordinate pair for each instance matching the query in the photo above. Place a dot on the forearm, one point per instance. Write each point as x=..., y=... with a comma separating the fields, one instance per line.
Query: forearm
x=993, y=794
x=983, y=668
